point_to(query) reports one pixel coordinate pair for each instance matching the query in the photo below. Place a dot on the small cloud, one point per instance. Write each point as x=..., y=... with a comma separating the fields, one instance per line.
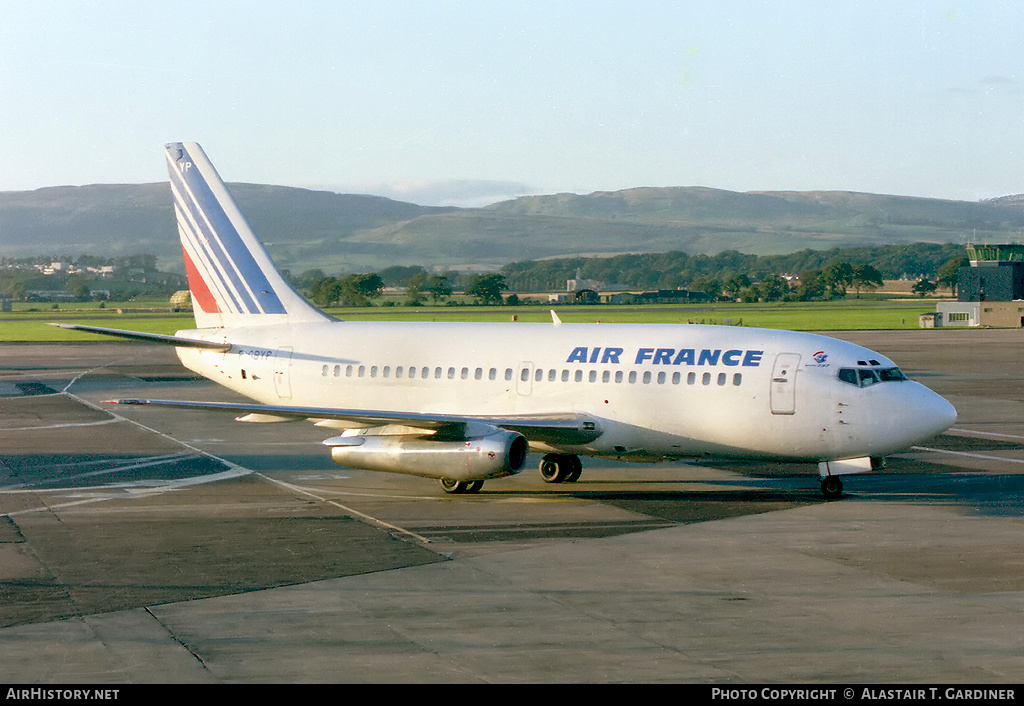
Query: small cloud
x=464, y=193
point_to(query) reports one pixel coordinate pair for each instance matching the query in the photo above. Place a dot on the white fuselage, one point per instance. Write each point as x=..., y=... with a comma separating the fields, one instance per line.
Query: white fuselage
x=656, y=391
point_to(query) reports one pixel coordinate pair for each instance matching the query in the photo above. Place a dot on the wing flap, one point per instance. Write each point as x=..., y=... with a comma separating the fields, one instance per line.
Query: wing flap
x=568, y=428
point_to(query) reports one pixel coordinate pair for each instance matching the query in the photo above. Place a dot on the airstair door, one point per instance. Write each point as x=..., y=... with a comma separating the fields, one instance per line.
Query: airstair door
x=783, y=392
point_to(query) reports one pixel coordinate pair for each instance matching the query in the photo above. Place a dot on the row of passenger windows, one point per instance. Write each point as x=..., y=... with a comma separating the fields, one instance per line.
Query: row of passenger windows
x=538, y=375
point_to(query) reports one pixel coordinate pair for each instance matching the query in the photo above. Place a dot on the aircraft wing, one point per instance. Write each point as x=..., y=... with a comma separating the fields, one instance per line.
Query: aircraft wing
x=571, y=428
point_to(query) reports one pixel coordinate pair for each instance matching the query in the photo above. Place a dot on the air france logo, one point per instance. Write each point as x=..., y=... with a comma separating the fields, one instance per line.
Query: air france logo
x=667, y=356
x=820, y=359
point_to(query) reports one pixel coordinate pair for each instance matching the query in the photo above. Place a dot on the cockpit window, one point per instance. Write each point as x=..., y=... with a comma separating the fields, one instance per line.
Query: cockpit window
x=867, y=377
x=864, y=377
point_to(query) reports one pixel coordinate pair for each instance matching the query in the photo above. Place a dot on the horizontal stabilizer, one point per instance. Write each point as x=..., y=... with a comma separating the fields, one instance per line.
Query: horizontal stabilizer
x=149, y=337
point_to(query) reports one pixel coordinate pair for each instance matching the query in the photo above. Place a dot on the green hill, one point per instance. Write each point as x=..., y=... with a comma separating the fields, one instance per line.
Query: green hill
x=307, y=229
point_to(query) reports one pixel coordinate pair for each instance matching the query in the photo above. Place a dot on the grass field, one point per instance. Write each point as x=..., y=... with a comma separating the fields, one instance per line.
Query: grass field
x=30, y=323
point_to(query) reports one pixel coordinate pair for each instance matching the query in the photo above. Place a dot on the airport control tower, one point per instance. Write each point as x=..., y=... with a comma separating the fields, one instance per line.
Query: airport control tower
x=996, y=274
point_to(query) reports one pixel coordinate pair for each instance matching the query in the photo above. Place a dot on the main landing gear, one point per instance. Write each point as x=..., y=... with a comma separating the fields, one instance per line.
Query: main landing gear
x=831, y=487
x=560, y=468
x=458, y=487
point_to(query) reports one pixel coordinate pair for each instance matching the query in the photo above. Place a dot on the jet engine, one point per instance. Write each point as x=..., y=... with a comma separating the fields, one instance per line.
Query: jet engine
x=492, y=455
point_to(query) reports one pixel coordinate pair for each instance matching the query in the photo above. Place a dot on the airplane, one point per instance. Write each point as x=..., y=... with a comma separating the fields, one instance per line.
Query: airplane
x=467, y=402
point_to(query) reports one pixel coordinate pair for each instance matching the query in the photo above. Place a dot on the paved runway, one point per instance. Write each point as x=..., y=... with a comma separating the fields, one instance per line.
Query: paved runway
x=142, y=545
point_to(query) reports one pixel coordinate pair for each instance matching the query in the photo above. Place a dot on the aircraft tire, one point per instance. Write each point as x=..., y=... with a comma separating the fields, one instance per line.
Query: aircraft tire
x=458, y=487
x=575, y=469
x=831, y=487
x=560, y=468
x=553, y=468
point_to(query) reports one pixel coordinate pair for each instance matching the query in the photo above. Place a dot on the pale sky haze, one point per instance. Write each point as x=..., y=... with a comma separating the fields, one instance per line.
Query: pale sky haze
x=462, y=102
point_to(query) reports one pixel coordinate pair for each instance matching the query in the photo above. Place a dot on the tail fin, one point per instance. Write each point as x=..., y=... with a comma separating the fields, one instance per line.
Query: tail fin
x=232, y=278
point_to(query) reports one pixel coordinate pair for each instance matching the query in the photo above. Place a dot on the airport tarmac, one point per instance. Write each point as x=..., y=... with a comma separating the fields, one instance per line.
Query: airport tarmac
x=147, y=545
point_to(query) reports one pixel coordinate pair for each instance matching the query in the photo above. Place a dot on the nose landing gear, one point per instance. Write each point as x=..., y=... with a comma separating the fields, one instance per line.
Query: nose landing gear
x=831, y=487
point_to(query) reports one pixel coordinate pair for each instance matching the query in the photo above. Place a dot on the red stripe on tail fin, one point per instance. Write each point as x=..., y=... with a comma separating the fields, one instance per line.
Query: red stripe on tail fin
x=201, y=294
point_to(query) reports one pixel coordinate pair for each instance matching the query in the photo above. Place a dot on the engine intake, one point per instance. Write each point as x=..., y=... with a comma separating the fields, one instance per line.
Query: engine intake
x=501, y=453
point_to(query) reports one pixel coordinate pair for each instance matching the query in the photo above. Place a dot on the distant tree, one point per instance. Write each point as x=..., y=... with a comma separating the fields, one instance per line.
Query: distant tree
x=949, y=274
x=811, y=287
x=438, y=287
x=487, y=288
x=866, y=277
x=325, y=291
x=924, y=287
x=773, y=288
x=358, y=290
x=415, y=286
x=836, y=278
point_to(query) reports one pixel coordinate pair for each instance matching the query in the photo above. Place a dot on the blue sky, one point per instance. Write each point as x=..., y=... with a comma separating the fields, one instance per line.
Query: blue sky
x=465, y=102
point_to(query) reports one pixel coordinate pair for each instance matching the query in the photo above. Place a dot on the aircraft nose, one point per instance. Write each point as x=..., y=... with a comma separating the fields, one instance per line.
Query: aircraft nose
x=927, y=415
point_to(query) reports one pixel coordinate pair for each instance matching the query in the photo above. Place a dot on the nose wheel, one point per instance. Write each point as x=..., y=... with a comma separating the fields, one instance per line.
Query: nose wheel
x=831, y=487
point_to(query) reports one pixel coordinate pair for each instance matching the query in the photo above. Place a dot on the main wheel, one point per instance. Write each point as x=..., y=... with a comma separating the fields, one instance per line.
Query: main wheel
x=575, y=469
x=553, y=468
x=457, y=487
x=831, y=487
x=560, y=468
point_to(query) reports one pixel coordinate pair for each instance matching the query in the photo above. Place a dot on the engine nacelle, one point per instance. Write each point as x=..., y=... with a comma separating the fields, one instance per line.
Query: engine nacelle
x=501, y=453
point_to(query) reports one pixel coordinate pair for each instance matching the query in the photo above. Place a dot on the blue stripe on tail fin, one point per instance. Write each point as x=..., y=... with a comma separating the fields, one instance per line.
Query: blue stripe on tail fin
x=231, y=276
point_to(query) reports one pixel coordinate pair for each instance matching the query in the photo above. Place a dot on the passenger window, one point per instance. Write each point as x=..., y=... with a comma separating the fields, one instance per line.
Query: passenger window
x=721, y=379
x=539, y=375
x=606, y=376
x=362, y=371
x=437, y=373
x=387, y=370
x=737, y=379
x=451, y=373
x=647, y=377
x=478, y=374
x=676, y=378
x=525, y=375
x=661, y=378
x=552, y=375
x=398, y=371
x=465, y=373
x=691, y=378
x=565, y=376
x=337, y=371
x=412, y=371
x=618, y=376
x=348, y=371
x=373, y=371
x=706, y=379
x=324, y=371
x=492, y=374
x=508, y=373
x=578, y=376
x=632, y=376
